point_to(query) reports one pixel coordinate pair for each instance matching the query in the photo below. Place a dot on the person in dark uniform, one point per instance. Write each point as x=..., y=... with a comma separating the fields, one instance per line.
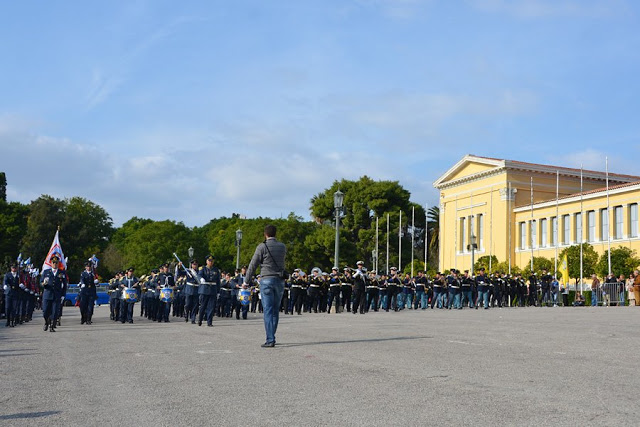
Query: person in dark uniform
x=87, y=293
x=315, y=283
x=346, y=282
x=334, y=290
x=483, y=289
x=166, y=282
x=11, y=285
x=545, y=284
x=191, y=293
x=408, y=291
x=359, y=286
x=467, y=290
x=455, y=291
x=54, y=282
x=438, y=289
x=373, y=292
x=393, y=287
x=129, y=281
x=421, y=285
x=238, y=280
x=297, y=291
x=533, y=290
x=225, y=296
x=382, y=284
x=114, y=296
x=208, y=290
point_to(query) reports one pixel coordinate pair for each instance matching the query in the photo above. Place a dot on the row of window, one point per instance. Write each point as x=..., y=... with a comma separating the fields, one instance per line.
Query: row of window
x=539, y=231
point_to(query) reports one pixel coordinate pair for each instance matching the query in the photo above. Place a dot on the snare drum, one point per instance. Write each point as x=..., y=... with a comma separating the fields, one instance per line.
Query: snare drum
x=130, y=295
x=166, y=295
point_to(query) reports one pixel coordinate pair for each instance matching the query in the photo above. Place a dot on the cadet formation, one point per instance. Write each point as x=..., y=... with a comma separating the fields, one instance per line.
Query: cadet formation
x=197, y=294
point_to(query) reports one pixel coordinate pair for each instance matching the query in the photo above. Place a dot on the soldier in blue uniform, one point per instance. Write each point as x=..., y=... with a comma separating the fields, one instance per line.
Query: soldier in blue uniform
x=191, y=293
x=482, y=283
x=129, y=281
x=11, y=285
x=393, y=287
x=208, y=290
x=151, y=306
x=114, y=296
x=87, y=293
x=54, y=282
x=359, y=286
x=166, y=282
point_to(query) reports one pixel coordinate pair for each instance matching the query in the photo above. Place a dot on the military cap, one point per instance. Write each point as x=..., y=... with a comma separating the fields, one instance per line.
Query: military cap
x=194, y=261
x=87, y=264
x=14, y=265
x=155, y=271
x=334, y=269
x=393, y=269
x=360, y=263
x=210, y=257
x=54, y=258
x=131, y=269
x=481, y=269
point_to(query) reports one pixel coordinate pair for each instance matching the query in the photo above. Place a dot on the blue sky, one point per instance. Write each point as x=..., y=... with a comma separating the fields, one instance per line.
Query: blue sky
x=194, y=110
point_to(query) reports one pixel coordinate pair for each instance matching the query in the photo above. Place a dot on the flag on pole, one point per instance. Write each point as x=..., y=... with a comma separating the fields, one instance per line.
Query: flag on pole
x=563, y=269
x=94, y=261
x=56, y=249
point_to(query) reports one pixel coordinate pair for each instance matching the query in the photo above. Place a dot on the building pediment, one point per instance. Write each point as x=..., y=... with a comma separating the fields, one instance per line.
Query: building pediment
x=469, y=167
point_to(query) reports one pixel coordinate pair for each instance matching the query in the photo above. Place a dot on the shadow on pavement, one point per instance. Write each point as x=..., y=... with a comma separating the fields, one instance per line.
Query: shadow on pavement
x=352, y=341
x=28, y=415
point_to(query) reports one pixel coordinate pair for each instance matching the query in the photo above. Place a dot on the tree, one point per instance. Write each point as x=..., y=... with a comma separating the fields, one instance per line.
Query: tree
x=539, y=264
x=483, y=261
x=589, y=260
x=3, y=187
x=13, y=225
x=364, y=200
x=623, y=261
x=433, y=229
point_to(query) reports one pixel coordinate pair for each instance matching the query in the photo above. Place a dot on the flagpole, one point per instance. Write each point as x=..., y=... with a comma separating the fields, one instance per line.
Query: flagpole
x=557, y=235
x=413, y=232
x=491, y=230
x=531, y=226
x=509, y=213
x=581, y=224
x=387, y=244
x=426, y=236
x=377, y=252
x=400, y=243
x=608, y=217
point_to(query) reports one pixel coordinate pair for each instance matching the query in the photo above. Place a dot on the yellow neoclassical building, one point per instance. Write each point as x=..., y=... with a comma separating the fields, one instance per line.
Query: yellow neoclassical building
x=515, y=210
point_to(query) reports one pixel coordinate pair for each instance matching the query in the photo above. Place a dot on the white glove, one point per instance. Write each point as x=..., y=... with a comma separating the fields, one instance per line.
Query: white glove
x=21, y=285
x=83, y=285
x=46, y=281
x=202, y=280
x=5, y=287
x=96, y=281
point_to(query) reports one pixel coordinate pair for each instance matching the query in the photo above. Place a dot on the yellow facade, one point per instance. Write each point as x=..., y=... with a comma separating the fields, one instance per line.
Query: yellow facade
x=490, y=199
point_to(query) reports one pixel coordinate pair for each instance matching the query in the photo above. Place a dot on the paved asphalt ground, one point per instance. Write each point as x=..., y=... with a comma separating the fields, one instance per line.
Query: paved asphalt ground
x=522, y=366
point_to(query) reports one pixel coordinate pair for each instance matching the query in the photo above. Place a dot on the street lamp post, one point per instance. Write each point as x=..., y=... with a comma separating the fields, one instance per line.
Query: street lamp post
x=472, y=246
x=338, y=198
x=374, y=260
x=190, y=251
x=238, y=243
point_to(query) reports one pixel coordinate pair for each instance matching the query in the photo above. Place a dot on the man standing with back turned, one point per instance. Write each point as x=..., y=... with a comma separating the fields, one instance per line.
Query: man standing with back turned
x=270, y=254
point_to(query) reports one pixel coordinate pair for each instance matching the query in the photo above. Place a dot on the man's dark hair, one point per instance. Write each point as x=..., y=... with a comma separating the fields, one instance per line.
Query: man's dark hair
x=270, y=230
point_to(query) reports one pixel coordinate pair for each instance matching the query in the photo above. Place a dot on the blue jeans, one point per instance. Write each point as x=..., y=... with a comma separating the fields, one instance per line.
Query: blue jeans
x=468, y=296
x=271, y=289
x=457, y=299
x=420, y=298
x=621, y=303
x=594, y=299
x=483, y=297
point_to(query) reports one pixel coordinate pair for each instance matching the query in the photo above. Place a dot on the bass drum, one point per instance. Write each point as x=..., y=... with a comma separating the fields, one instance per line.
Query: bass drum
x=166, y=295
x=244, y=296
x=130, y=295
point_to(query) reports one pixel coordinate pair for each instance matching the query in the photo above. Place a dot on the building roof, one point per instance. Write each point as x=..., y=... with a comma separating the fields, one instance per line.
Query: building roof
x=499, y=165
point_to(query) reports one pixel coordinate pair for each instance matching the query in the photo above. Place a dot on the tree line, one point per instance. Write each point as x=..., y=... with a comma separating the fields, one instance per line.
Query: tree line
x=87, y=229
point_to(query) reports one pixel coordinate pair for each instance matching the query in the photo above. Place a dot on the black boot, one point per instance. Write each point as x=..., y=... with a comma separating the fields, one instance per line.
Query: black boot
x=52, y=326
x=82, y=320
x=46, y=325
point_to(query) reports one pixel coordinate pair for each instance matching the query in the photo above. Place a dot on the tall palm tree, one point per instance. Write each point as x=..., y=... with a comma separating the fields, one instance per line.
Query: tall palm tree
x=433, y=228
